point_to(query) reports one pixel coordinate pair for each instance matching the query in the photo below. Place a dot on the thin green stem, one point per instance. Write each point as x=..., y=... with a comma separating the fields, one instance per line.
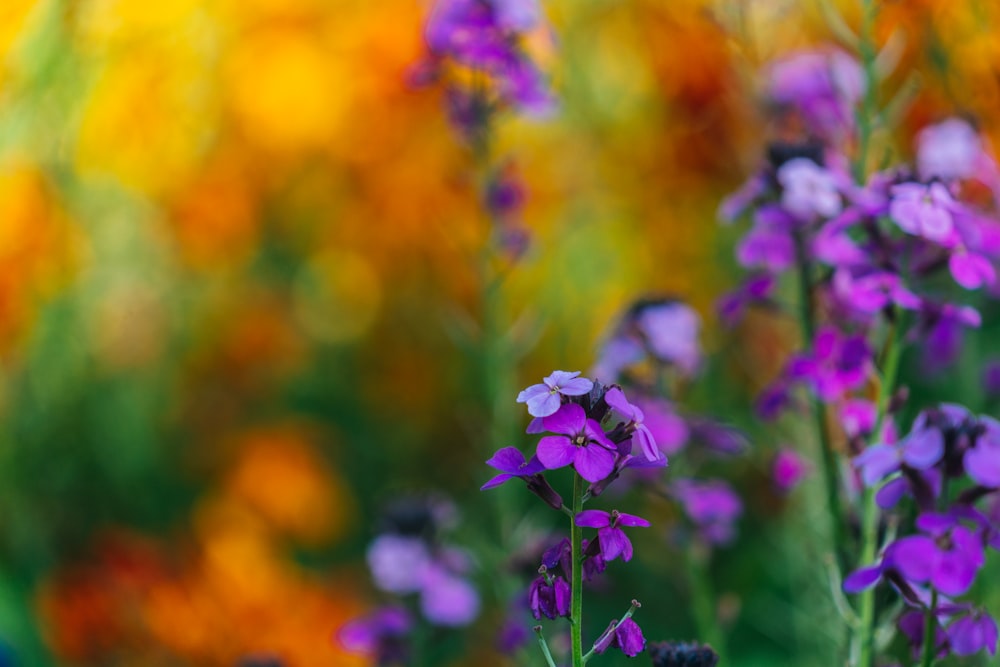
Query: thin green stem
x=867, y=115
x=544, y=646
x=703, y=601
x=930, y=632
x=869, y=510
x=831, y=479
x=576, y=601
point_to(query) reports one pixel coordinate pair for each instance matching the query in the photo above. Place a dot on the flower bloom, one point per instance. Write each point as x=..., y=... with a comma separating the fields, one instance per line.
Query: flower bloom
x=837, y=364
x=381, y=634
x=615, y=398
x=545, y=398
x=789, y=469
x=612, y=539
x=808, y=191
x=511, y=463
x=549, y=597
x=972, y=633
x=446, y=599
x=580, y=443
x=925, y=211
x=712, y=506
x=626, y=635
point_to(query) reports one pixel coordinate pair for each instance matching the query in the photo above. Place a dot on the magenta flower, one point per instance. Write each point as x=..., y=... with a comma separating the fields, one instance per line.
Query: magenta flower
x=868, y=294
x=544, y=399
x=789, y=469
x=615, y=398
x=823, y=86
x=381, y=635
x=925, y=211
x=767, y=248
x=971, y=270
x=580, y=443
x=612, y=539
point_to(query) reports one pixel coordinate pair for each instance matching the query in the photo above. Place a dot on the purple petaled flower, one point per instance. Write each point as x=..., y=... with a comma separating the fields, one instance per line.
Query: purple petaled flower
x=754, y=290
x=858, y=417
x=822, y=86
x=837, y=364
x=971, y=270
x=982, y=461
x=446, y=599
x=612, y=539
x=808, y=191
x=712, y=505
x=545, y=398
x=511, y=463
x=398, y=562
x=950, y=150
x=769, y=244
x=922, y=448
x=671, y=332
x=549, y=596
x=868, y=294
x=947, y=556
x=381, y=634
x=580, y=443
x=615, y=398
x=972, y=633
x=618, y=353
x=789, y=469
x=925, y=211
x=626, y=635
x=668, y=429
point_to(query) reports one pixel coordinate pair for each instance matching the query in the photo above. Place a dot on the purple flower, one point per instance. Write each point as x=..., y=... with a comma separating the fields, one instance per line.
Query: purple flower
x=982, y=461
x=822, y=86
x=382, y=634
x=950, y=150
x=544, y=399
x=991, y=379
x=837, y=364
x=766, y=247
x=618, y=353
x=626, y=635
x=971, y=270
x=549, y=596
x=789, y=469
x=613, y=541
x=920, y=450
x=580, y=443
x=924, y=211
x=947, y=556
x=668, y=429
x=398, y=562
x=858, y=417
x=511, y=463
x=446, y=599
x=671, y=330
x=712, y=505
x=972, y=633
x=754, y=290
x=615, y=398
x=808, y=191
x=868, y=294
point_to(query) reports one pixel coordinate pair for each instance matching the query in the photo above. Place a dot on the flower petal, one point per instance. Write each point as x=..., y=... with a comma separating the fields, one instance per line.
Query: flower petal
x=507, y=459
x=568, y=420
x=594, y=463
x=593, y=519
x=556, y=451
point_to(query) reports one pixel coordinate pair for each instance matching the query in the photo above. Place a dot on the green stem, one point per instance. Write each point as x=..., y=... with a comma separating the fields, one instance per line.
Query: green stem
x=869, y=510
x=544, y=646
x=703, y=601
x=576, y=601
x=866, y=116
x=831, y=484
x=930, y=632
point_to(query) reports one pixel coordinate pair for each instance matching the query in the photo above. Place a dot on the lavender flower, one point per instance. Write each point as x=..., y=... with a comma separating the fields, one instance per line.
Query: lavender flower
x=671, y=330
x=952, y=150
x=972, y=633
x=612, y=539
x=615, y=398
x=398, y=563
x=924, y=211
x=809, y=192
x=544, y=399
x=382, y=634
x=712, y=506
x=447, y=600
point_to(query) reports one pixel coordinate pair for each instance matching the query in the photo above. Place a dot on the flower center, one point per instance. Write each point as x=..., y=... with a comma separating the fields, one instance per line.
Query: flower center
x=580, y=440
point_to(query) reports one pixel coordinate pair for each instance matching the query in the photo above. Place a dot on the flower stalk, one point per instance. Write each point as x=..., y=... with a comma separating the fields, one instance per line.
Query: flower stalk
x=576, y=599
x=930, y=632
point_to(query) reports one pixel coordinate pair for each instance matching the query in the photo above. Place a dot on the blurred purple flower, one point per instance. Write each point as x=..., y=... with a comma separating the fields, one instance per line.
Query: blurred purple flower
x=982, y=461
x=446, y=599
x=950, y=150
x=837, y=364
x=809, y=192
x=398, y=562
x=925, y=211
x=381, y=634
x=668, y=429
x=712, y=506
x=682, y=654
x=612, y=539
x=545, y=398
x=948, y=555
x=823, y=86
x=755, y=289
x=580, y=443
x=789, y=469
x=671, y=329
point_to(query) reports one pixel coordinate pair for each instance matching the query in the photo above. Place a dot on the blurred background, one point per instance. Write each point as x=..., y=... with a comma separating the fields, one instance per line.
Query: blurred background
x=239, y=286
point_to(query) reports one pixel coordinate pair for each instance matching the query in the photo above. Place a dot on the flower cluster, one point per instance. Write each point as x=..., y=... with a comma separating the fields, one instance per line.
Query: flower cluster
x=949, y=466
x=407, y=559
x=476, y=49
x=595, y=431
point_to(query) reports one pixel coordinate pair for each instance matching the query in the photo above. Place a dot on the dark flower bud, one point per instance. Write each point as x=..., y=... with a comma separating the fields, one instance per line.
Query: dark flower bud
x=538, y=485
x=682, y=654
x=549, y=599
